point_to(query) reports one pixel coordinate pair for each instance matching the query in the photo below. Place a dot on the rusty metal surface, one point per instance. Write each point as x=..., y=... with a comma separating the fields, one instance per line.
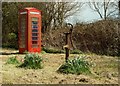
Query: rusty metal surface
x=68, y=42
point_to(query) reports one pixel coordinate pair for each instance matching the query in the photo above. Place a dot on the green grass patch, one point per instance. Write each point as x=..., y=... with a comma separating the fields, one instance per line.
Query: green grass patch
x=12, y=60
x=32, y=61
x=76, y=51
x=75, y=66
x=42, y=52
x=51, y=50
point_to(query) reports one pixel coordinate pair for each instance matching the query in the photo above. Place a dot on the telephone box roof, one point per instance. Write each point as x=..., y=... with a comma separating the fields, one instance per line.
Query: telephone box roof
x=31, y=9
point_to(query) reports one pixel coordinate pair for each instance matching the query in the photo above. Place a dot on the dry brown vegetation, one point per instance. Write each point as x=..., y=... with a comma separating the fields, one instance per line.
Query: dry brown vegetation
x=101, y=37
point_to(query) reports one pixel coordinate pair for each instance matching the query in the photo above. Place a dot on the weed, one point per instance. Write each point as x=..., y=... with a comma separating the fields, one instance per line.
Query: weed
x=75, y=66
x=12, y=60
x=32, y=61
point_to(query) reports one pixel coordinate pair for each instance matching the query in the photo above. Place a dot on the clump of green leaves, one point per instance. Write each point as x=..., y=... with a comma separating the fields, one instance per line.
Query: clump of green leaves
x=12, y=60
x=75, y=66
x=12, y=36
x=32, y=61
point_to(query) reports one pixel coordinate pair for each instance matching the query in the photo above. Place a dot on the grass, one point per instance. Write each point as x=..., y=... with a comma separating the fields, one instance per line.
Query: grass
x=76, y=51
x=21, y=75
x=51, y=50
x=55, y=51
x=43, y=52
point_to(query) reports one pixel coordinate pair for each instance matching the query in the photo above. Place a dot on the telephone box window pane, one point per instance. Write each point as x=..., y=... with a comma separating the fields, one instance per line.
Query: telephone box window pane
x=34, y=30
x=22, y=46
x=22, y=31
x=34, y=34
x=34, y=38
x=34, y=19
x=23, y=37
x=35, y=22
x=34, y=42
x=34, y=46
x=34, y=27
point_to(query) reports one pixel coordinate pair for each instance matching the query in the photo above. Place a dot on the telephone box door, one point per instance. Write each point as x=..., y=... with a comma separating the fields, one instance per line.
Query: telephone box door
x=35, y=33
x=22, y=33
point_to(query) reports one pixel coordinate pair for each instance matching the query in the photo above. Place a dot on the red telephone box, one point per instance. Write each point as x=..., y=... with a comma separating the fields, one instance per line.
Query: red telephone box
x=29, y=30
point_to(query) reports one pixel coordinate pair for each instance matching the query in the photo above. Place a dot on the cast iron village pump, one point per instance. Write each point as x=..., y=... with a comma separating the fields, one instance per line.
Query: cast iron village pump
x=68, y=36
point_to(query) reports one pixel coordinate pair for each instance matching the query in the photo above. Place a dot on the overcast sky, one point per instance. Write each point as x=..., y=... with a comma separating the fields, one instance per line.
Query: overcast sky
x=85, y=15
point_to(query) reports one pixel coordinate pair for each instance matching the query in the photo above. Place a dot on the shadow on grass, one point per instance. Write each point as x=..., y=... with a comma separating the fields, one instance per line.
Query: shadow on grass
x=6, y=53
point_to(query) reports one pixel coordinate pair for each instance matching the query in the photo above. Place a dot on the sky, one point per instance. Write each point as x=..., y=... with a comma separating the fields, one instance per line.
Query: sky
x=85, y=15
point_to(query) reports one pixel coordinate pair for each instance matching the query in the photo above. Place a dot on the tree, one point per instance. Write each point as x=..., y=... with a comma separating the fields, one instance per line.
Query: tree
x=9, y=23
x=57, y=12
x=104, y=9
x=119, y=8
x=53, y=15
x=0, y=23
